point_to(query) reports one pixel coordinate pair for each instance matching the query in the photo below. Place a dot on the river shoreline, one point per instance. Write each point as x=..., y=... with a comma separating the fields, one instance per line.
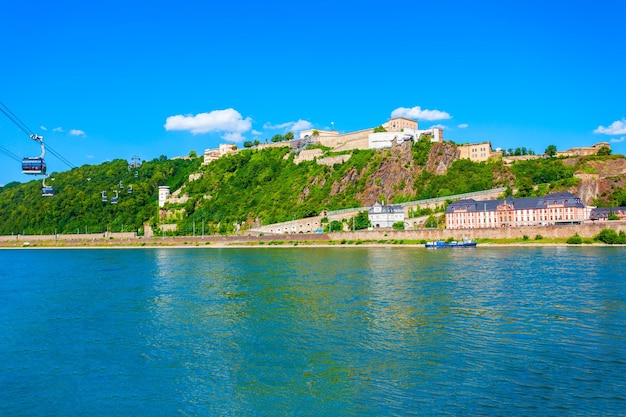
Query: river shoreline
x=268, y=245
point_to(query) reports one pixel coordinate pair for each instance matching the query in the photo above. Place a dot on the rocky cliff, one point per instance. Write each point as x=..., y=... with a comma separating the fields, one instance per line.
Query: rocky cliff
x=599, y=178
x=397, y=170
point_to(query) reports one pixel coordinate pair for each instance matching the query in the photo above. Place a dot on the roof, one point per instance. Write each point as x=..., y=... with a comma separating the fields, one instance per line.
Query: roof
x=564, y=198
x=385, y=209
x=604, y=212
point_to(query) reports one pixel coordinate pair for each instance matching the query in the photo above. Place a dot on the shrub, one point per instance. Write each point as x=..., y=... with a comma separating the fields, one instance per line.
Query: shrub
x=538, y=237
x=398, y=226
x=525, y=237
x=610, y=236
x=575, y=240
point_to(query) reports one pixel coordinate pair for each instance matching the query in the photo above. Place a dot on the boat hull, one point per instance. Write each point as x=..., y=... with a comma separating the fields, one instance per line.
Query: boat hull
x=439, y=244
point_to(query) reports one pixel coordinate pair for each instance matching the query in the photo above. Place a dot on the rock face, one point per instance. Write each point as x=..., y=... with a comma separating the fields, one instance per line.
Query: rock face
x=441, y=156
x=397, y=171
x=599, y=179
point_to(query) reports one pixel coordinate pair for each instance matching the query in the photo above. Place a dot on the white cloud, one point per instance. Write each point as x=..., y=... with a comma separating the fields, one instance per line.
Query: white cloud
x=301, y=125
x=618, y=140
x=42, y=127
x=419, y=114
x=256, y=132
x=77, y=132
x=58, y=129
x=463, y=126
x=233, y=136
x=618, y=127
x=292, y=126
x=228, y=121
x=89, y=156
x=268, y=125
x=440, y=126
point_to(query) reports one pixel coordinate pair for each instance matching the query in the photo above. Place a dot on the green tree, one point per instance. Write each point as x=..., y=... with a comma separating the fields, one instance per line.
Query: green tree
x=288, y=136
x=604, y=151
x=248, y=144
x=379, y=129
x=277, y=138
x=193, y=154
x=336, y=226
x=551, y=150
x=431, y=222
x=398, y=226
x=361, y=221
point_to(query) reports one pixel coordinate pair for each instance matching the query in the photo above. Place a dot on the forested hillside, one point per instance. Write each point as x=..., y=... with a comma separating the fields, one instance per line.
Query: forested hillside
x=254, y=187
x=77, y=205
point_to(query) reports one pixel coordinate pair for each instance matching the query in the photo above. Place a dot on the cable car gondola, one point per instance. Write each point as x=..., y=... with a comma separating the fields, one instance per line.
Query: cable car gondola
x=104, y=196
x=46, y=190
x=35, y=165
x=114, y=199
x=32, y=165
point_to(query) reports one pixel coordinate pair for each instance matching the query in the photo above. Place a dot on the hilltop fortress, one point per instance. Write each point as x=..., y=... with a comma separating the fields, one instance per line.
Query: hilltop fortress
x=398, y=130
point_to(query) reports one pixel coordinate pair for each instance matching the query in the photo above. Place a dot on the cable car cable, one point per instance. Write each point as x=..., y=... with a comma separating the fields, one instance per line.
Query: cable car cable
x=59, y=156
x=19, y=123
x=10, y=154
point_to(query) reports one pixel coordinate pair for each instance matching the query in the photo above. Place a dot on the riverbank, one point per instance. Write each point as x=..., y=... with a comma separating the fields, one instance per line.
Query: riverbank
x=523, y=236
x=236, y=243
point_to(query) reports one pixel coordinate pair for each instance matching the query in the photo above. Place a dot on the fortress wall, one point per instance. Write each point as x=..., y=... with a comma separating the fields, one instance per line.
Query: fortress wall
x=349, y=141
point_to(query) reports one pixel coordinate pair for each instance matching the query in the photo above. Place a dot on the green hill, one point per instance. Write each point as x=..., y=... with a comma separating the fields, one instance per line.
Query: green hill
x=257, y=187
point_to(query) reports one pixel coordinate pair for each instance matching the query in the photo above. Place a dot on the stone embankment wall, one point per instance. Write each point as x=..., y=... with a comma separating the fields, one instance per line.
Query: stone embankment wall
x=70, y=237
x=587, y=230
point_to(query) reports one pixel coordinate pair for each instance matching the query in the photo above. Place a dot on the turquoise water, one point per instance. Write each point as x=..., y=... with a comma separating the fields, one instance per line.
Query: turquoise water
x=313, y=332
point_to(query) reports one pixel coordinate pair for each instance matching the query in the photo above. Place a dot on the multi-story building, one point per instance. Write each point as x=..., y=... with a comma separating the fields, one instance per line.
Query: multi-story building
x=556, y=208
x=397, y=124
x=381, y=216
x=478, y=152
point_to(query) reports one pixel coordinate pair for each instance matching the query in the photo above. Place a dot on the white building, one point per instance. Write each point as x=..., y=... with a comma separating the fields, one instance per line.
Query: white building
x=213, y=154
x=382, y=140
x=381, y=216
x=164, y=193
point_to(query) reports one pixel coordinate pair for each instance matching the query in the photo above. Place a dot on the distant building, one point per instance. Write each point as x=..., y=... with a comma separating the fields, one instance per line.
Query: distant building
x=383, y=140
x=397, y=124
x=478, y=152
x=556, y=208
x=381, y=216
x=584, y=150
x=602, y=214
x=213, y=154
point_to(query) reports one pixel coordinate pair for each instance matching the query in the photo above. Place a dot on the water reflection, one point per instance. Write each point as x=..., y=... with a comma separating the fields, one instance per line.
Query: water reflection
x=384, y=331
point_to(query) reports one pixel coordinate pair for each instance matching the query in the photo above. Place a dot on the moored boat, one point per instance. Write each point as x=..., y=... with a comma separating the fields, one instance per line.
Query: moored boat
x=465, y=243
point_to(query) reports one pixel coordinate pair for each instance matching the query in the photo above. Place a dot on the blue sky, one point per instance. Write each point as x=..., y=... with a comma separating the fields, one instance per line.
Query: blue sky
x=107, y=80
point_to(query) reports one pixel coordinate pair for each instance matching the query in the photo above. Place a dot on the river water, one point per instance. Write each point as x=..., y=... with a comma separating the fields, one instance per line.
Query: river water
x=378, y=331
